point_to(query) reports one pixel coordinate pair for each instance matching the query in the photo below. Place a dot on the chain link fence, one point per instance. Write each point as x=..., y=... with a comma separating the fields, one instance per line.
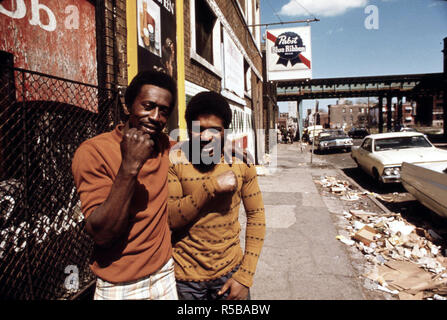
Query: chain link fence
x=44, y=249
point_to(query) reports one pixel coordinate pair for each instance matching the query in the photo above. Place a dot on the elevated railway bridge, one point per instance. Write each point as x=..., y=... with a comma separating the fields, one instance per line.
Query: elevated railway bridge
x=416, y=87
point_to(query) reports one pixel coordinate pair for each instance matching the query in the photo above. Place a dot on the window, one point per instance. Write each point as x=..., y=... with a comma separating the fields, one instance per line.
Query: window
x=205, y=21
x=367, y=145
x=401, y=143
x=247, y=80
x=205, y=36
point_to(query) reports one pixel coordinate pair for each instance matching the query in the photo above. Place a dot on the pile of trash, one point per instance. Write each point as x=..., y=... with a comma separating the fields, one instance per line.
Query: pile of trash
x=340, y=187
x=407, y=261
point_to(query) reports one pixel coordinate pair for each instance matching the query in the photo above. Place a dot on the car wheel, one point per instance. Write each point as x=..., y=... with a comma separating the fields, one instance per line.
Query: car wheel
x=377, y=177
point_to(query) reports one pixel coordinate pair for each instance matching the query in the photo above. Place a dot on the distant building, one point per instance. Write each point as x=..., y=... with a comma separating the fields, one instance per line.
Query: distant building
x=346, y=116
x=320, y=118
x=408, y=114
x=282, y=120
x=293, y=109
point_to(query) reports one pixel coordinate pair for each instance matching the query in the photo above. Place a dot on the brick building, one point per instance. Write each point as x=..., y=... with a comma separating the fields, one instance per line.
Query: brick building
x=407, y=112
x=270, y=107
x=348, y=115
x=222, y=52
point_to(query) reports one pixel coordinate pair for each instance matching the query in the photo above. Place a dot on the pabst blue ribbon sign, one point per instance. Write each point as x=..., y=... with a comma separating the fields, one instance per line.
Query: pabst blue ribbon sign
x=289, y=54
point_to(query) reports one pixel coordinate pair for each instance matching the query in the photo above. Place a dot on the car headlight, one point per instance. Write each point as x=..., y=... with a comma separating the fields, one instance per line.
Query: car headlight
x=392, y=171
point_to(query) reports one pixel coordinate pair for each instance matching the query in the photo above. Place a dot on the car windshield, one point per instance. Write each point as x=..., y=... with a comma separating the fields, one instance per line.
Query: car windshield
x=401, y=143
x=333, y=134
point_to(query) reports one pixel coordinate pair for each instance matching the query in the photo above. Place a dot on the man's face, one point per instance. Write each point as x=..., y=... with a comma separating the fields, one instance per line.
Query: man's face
x=210, y=133
x=151, y=109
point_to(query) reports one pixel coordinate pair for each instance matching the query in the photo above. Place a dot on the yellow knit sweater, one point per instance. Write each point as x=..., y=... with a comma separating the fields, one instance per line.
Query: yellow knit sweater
x=206, y=243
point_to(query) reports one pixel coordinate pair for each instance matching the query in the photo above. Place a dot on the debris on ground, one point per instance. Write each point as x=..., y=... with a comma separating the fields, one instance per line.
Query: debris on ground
x=407, y=262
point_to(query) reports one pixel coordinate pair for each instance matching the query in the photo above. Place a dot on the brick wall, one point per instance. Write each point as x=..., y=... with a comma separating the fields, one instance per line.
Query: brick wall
x=196, y=73
x=200, y=75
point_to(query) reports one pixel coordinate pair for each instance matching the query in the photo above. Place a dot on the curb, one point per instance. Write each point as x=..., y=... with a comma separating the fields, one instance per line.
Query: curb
x=373, y=199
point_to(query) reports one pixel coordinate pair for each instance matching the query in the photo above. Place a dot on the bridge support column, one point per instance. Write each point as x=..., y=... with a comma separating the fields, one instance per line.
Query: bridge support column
x=444, y=97
x=389, y=113
x=399, y=111
x=380, y=114
x=299, y=130
x=444, y=107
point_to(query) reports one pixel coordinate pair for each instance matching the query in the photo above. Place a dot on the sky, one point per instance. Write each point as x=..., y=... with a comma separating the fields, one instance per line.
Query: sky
x=406, y=38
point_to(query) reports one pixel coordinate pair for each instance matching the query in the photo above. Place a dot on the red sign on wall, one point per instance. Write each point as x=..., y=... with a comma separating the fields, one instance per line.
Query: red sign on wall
x=52, y=37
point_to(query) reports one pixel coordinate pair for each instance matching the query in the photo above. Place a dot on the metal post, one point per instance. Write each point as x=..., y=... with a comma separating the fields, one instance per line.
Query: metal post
x=399, y=111
x=444, y=98
x=380, y=114
x=389, y=113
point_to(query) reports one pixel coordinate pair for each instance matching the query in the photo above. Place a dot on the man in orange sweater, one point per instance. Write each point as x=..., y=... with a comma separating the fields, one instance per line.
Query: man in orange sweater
x=203, y=205
x=121, y=178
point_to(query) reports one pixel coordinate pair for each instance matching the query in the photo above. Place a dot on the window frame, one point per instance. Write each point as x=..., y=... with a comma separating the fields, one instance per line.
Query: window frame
x=216, y=66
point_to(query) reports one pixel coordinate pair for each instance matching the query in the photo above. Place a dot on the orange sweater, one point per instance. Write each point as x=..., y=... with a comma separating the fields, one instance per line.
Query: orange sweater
x=206, y=227
x=147, y=246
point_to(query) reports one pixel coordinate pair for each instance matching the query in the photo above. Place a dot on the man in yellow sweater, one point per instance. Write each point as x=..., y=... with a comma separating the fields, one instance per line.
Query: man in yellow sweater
x=205, y=193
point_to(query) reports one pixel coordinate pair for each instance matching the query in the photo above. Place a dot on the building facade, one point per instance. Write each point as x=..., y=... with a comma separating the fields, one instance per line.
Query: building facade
x=222, y=52
x=345, y=116
x=405, y=117
x=270, y=108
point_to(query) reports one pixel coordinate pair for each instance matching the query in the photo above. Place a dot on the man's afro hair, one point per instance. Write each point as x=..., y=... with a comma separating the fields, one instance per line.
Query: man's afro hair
x=208, y=102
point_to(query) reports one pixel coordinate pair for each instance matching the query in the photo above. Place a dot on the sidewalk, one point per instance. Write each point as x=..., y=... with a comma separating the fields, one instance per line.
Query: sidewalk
x=301, y=259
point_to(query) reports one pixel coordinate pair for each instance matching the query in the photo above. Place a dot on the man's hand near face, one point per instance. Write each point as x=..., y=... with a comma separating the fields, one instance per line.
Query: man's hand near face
x=136, y=148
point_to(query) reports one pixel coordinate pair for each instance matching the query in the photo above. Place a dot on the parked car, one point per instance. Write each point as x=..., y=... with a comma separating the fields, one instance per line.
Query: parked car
x=407, y=129
x=428, y=184
x=381, y=155
x=333, y=139
x=313, y=131
x=358, y=133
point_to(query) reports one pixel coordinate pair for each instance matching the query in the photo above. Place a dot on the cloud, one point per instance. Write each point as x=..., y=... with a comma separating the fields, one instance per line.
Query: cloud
x=437, y=3
x=325, y=8
x=331, y=31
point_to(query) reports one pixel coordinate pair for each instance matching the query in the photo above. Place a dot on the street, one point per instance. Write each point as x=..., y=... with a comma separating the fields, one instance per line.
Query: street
x=393, y=196
x=301, y=258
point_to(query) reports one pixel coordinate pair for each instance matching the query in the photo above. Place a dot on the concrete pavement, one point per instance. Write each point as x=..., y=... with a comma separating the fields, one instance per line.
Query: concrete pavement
x=301, y=258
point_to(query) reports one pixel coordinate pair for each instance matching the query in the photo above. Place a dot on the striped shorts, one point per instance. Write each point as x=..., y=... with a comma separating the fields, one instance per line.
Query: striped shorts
x=157, y=286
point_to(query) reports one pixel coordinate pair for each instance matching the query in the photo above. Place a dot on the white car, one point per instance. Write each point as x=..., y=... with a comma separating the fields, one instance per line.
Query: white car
x=381, y=155
x=314, y=131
